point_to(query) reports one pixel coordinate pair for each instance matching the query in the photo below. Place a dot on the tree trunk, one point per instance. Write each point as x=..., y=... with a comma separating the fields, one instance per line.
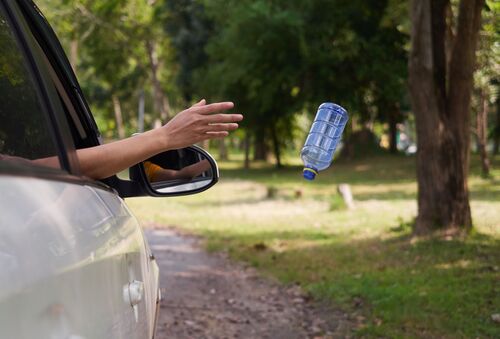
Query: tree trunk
x=118, y=116
x=161, y=103
x=73, y=57
x=260, y=151
x=440, y=95
x=140, y=118
x=247, y=150
x=276, y=146
x=482, y=133
x=223, y=149
x=393, y=127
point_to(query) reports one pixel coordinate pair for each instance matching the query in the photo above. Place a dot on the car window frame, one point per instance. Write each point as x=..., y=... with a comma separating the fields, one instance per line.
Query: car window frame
x=46, y=92
x=54, y=51
x=29, y=25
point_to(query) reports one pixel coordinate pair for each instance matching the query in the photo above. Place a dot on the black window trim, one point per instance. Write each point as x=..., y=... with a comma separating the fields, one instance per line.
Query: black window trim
x=70, y=166
x=49, y=42
x=48, y=104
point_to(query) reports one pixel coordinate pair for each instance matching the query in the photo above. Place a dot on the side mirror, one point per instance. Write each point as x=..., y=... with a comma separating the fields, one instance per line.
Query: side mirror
x=184, y=171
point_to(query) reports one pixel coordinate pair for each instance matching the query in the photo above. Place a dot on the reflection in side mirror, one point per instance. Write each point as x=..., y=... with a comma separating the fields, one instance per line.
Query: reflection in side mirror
x=180, y=172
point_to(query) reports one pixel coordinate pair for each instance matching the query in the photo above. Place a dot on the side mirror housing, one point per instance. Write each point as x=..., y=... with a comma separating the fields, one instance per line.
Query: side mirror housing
x=185, y=171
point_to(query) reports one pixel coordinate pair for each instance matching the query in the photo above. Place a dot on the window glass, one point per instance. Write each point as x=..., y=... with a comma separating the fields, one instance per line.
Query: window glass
x=24, y=129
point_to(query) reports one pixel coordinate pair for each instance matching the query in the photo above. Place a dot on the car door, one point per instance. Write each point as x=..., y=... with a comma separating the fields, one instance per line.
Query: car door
x=73, y=261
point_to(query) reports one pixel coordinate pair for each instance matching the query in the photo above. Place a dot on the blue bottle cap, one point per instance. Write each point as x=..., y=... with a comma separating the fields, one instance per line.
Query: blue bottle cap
x=309, y=173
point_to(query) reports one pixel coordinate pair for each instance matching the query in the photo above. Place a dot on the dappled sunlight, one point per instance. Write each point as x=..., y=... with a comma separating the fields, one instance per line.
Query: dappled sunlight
x=486, y=217
x=288, y=228
x=458, y=264
x=362, y=168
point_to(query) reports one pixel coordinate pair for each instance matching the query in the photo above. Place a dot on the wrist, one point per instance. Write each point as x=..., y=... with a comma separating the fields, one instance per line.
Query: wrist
x=153, y=142
x=159, y=139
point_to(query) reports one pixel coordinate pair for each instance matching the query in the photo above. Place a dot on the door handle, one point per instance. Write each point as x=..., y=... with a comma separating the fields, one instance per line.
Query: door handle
x=133, y=292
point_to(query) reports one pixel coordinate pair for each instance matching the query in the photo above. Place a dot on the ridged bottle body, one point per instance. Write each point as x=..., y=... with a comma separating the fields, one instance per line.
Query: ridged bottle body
x=323, y=138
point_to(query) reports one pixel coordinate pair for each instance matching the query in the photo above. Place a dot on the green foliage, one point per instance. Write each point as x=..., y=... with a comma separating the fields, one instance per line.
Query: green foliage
x=22, y=132
x=112, y=56
x=273, y=59
x=189, y=28
x=276, y=58
x=337, y=203
x=487, y=75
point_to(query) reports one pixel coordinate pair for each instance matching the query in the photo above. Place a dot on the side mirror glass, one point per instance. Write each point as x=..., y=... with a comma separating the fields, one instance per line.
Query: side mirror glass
x=178, y=172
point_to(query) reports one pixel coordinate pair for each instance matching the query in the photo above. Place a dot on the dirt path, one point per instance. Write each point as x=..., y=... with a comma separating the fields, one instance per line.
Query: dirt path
x=206, y=296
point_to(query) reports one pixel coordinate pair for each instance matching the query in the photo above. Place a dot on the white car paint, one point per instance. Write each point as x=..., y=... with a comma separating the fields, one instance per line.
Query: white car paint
x=67, y=254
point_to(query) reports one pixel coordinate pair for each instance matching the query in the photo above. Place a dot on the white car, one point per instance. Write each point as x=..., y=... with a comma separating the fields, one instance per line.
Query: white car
x=74, y=262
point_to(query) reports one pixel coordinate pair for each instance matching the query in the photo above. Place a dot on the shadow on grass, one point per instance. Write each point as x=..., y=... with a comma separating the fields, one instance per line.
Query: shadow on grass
x=476, y=194
x=389, y=195
x=371, y=170
x=403, y=287
x=377, y=170
x=232, y=202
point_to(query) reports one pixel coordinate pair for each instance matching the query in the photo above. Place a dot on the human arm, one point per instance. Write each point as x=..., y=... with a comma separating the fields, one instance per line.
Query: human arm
x=190, y=126
x=156, y=173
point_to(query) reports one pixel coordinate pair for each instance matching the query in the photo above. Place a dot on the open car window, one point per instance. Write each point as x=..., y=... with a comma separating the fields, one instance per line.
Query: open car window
x=26, y=135
x=24, y=129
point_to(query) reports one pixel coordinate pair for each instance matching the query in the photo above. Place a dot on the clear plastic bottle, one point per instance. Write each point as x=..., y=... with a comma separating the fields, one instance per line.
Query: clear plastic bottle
x=323, y=138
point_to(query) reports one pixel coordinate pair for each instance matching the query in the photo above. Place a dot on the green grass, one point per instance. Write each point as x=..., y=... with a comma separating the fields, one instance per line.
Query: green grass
x=364, y=260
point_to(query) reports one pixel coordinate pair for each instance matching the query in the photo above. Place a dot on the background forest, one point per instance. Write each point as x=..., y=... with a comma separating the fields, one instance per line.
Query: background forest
x=140, y=62
x=419, y=145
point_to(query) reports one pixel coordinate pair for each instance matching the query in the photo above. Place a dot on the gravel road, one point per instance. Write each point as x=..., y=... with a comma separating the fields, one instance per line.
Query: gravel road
x=207, y=296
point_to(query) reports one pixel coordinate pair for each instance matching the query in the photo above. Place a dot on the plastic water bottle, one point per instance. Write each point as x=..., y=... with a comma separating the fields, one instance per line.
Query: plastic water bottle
x=323, y=138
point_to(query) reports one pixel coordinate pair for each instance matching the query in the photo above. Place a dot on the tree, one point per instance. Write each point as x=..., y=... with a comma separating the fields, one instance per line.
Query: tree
x=189, y=28
x=121, y=51
x=486, y=79
x=441, y=66
x=277, y=58
x=255, y=58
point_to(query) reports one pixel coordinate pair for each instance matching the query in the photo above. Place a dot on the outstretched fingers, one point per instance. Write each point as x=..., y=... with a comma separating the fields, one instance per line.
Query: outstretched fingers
x=223, y=118
x=221, y=127
x=217, y=135
x=202, y=102
x=212, y=108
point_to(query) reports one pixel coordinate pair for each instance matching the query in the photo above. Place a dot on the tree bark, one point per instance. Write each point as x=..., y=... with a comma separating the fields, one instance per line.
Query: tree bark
x=74, y=54
x=223, y=149
x=276, y=146
x=260, y=151
x=161, y=103
x=440, y=95
x=140, y=109
x=118, y=116
x=246, y=164
x=482, y=133
x=393, y=127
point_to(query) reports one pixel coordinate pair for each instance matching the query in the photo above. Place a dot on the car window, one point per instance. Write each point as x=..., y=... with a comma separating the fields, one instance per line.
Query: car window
x=24, y=128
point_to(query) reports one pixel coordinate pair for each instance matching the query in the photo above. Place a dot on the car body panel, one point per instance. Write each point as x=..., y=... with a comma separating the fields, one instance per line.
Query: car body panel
x=68, y=253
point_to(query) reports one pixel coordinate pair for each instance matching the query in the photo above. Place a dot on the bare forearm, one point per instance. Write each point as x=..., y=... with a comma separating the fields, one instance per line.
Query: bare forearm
x=194, y=170
x=106, y=160
x=190, y=126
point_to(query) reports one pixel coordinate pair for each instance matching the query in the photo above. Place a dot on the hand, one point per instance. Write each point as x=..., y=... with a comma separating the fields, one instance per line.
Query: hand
x=198, y=123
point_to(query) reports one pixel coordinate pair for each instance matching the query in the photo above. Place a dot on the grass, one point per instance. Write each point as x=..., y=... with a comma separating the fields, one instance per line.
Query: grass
x=363, y=260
